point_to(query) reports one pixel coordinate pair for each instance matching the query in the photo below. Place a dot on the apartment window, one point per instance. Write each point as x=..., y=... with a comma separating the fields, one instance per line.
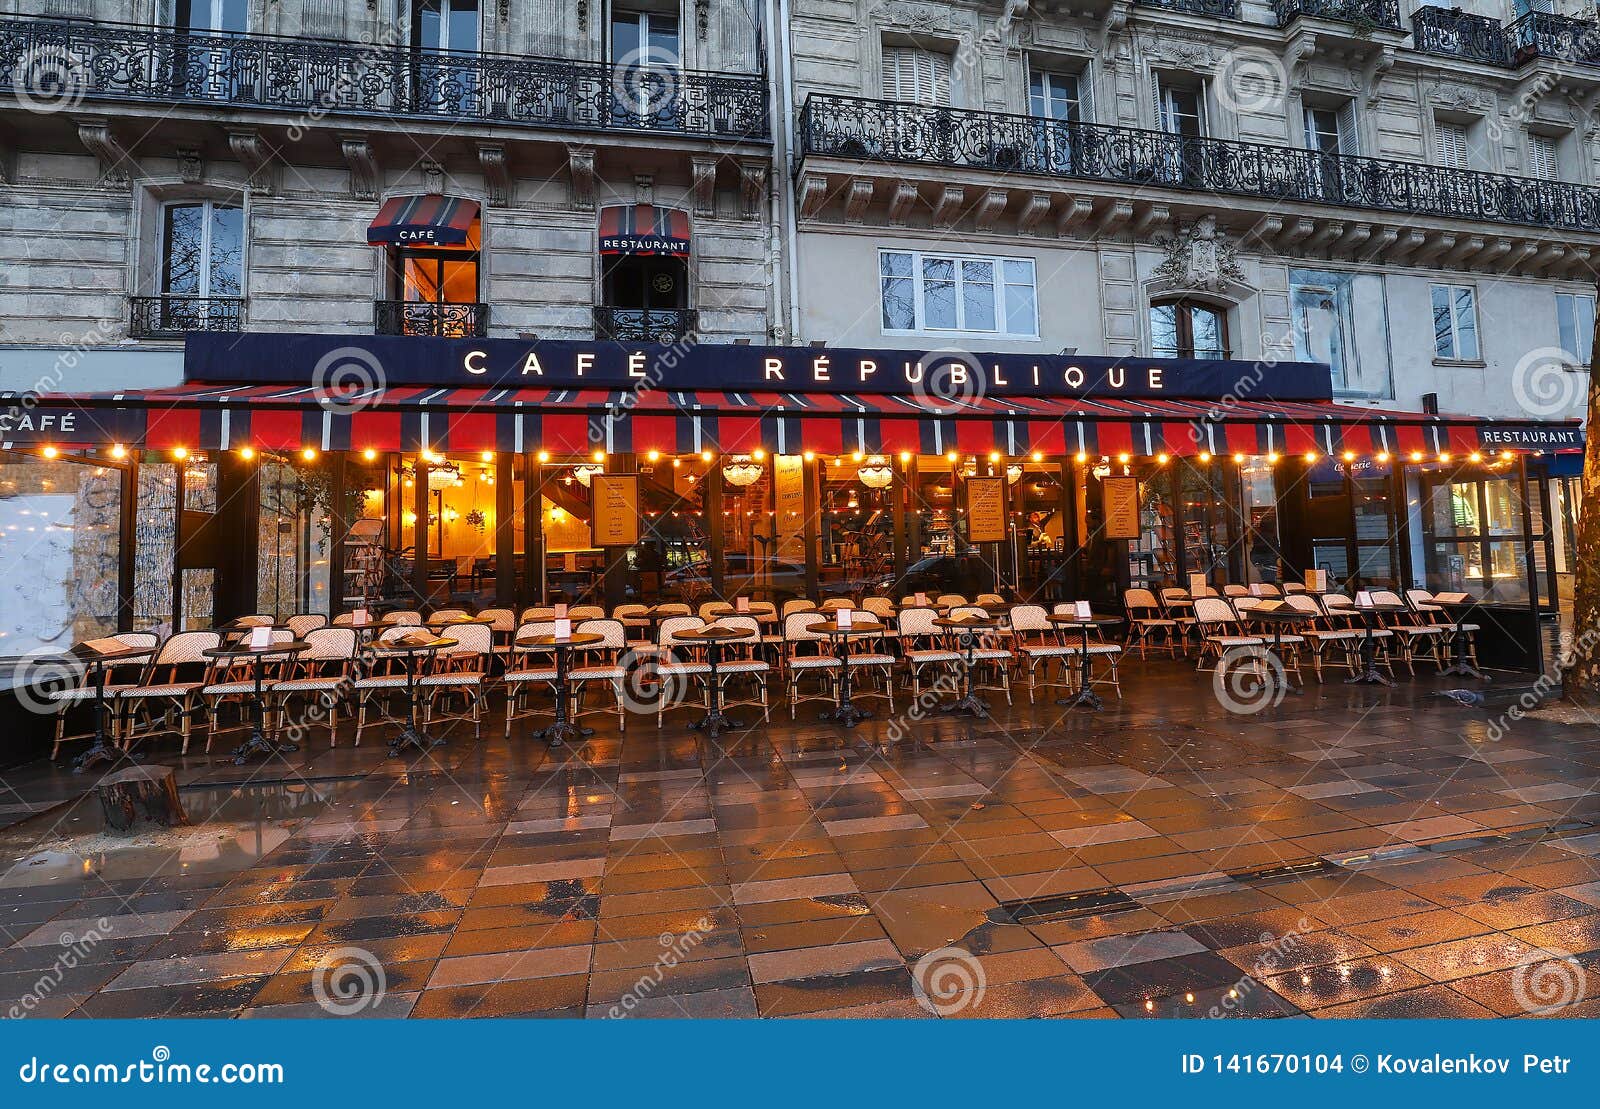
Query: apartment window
x=1326, y=307
x=1055, y=96
x=916, y=76
x=1455, y=323
x=202, y=250
x=1332, y=130
x=211, y=15
x=1181, y=109
x=957, y=292
x=445, y=24
x=1450, y=144
x=1544, y=161
x=1575, y=320
x=1185, y=328
x=645, y=38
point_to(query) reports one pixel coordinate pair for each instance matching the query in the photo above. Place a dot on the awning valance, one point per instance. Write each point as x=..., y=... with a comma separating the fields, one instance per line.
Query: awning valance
x=644, y=229
x=282, y=417
x=428, y=220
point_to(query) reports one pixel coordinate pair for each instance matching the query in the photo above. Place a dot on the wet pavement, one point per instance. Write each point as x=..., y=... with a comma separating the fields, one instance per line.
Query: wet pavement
x=1353, y=852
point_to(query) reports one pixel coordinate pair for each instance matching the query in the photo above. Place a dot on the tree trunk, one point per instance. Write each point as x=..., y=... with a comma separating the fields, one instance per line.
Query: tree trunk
x=141, y=792
x=1580, y=662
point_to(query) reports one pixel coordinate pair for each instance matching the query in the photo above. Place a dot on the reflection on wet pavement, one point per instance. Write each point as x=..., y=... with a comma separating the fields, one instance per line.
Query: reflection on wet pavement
x=1354, y=853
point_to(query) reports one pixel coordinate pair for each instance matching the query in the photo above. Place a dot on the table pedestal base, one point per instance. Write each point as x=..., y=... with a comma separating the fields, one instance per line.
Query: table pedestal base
x=412, y=736
x=99, y=752
x=970, y=704
x=716, y=722
x=1084, y=698
x=846, y=713
x=1369, y=676
x=259, y=744
x=562, y=731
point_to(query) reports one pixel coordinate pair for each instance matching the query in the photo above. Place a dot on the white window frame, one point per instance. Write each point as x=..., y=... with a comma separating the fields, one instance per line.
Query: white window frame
x=213, y=18
x=919, y=297
x=940, y=76
x=1580, y=357
x=207, y=208
x=1455, y=355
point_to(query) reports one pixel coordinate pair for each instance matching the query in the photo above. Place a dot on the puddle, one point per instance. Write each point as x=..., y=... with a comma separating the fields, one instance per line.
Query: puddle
x=231, y=827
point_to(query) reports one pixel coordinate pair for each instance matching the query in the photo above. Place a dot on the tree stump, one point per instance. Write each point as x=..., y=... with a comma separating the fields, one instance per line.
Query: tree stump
x=141, y=793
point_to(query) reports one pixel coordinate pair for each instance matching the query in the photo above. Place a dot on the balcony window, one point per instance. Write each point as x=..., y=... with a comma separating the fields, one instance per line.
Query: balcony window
x=1455, y=323
x=201, y=277
x=957, y=293
x=211, y=15
x=1332, y=130
x=445, y=25
x=1055, y=96
x=435, y=290
x=646, y=299
x=1450, y=144
x=1340, y=318
x=916, y=76
x=1181, y=109
x=1544, y=161
x=1575, y=323
x=1185, y=328
x=646, y=50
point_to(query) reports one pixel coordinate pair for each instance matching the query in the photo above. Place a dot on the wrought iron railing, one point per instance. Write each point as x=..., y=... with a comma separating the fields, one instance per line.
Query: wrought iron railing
x=415, y=317
x=1374, y=14
x=888, y=131
x=1452, y=33
x=72, y=61
x=645, y=325
x=1557, y=37
x=1219, y=9
x=168, y=317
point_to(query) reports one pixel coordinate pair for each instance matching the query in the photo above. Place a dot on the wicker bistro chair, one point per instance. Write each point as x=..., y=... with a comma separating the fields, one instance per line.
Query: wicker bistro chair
x=673, y=608
x=502, y=622
x=742, y=662
x=403, y=617
x=446, y=616
x=64, y=701
x=987, y=653
x=949, y=600
x=1422, y=603
x=1231, y=591
x=323, y=673
x=1267, y=589
x=586, y=612
x=710, y=611
x=1040, y=642
x=809, y=653
x=600, y=663
x=989, y=599
x=1322, y=637
x=535, y=614
x=680, y=660
x=527, y=667
x=1220, y=630
x=922, y=643
x=1419, y=637
x=164, y=683
x=1175, y=607
x=302, y=624
x=1146, y=620
x=797, y=604
x=463, y=670
x=834, y=604
x=1341, y=613
x=868, y=653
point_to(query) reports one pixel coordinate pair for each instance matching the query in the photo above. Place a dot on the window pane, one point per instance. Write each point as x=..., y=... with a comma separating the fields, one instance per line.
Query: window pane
x=181, y=261
x=1164, y=330
x=894, y=264
x=1443, y=339
x=977, y=295
x=899, y=304
x=1207, y=327
x=1021, y=312
x=227, y=251
x=1565, y=325
x=1466, y=325
x=939, y=293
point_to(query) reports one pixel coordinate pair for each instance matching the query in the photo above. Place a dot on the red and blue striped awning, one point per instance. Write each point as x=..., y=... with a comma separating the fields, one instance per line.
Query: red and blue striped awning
x=644, y=229
x=577, y=421
x=428, y=220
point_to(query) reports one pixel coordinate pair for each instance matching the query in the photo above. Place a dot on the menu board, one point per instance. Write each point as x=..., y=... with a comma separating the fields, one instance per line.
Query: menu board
x=615, y=521
x=1121, y=498
x=986, y=509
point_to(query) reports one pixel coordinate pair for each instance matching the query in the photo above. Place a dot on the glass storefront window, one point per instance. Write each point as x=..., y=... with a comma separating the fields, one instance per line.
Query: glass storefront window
x=856, y=523
x=155, y=545
x=1206, y=520
x=59, y=552
x=1263, y=546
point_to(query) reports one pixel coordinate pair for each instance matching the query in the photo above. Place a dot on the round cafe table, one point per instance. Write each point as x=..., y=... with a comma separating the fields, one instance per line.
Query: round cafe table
x=561, y=728
x=100, y=751
x=969, y=703
x=436, y=622
x=258, y=743
x=1084, y=696
x=1369, y=646
x=1278, y=619
x=847, y=713
x=714, y=636
x=1457, y=611
x=411, y=735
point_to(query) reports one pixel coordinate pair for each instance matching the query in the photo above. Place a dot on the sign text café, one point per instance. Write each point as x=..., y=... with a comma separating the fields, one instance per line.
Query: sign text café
x=515, y=364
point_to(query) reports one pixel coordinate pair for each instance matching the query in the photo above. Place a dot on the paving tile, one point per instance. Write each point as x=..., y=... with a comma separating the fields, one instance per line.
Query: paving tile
x=473, y=970
x=834, y=959
x=1116, y=951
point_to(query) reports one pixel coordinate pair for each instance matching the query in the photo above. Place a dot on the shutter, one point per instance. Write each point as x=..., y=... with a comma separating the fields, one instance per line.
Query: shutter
x=1349, y=139
x=1310, y=128
x=894, y=78
x=1451, y=139
x=1160, y=102
x=916, y=76
x=937, y=89
x=1542, y=160
x=1085, y=96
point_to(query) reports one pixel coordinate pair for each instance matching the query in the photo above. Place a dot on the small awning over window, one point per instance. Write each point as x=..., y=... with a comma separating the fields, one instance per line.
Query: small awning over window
x=644, y=229
x=427, y=220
